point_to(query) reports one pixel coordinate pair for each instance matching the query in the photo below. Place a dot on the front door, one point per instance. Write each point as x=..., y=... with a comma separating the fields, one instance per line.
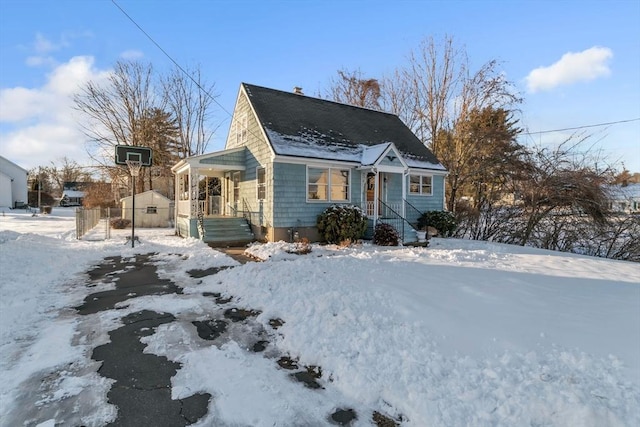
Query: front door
x=231, y=193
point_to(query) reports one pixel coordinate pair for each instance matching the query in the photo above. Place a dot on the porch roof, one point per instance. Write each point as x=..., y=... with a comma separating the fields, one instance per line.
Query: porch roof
x=225, y=160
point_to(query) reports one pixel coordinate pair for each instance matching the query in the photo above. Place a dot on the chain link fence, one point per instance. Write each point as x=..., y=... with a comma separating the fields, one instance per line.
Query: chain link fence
x=93, y=219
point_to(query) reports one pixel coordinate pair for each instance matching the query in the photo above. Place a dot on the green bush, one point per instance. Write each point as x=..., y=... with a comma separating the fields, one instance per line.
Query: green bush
x=385, y=235
x=342, y=224
x=444, y=222
x=120, y=223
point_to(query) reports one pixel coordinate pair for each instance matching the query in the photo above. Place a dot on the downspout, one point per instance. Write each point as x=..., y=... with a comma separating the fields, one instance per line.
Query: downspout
x=176, y=192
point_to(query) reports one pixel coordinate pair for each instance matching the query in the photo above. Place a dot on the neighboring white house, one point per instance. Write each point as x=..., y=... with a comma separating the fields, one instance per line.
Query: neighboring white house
x=152, y=209
x=625, y=198
x=13, y=184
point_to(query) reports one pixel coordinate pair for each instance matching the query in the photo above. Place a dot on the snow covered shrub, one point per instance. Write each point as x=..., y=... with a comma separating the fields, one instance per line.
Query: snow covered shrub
x=342, y=224
x=444, y=222
x=120, y=223
x=385, y=235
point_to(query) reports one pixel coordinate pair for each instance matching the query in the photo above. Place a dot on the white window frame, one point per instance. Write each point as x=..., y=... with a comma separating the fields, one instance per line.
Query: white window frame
x=421, y=185
x=152, y=210
x=328, y=184
x=260, y=185
x=242, y=128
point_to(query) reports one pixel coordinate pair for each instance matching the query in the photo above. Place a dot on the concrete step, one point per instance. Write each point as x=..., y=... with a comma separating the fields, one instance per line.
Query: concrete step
x=226, y=231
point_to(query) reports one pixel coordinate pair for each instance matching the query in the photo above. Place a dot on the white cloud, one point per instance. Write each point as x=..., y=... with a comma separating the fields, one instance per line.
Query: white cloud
x=40, y=125
x=43, y=45
x=571, y=68
x=131, y=54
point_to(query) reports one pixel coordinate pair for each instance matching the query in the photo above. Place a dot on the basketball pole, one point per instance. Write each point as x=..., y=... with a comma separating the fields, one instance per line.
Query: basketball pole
x=133, y=211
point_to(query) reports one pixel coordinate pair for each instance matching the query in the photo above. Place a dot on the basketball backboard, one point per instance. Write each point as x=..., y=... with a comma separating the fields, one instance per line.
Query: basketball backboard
x=130, y=152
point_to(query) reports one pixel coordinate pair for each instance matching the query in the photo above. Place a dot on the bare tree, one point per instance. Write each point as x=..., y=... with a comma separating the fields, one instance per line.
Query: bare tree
x=116, y=110
x=189, y=98
x=98, y=194
x=57, y=173
x=351, y=87
x=434, y=75
x=563, y=181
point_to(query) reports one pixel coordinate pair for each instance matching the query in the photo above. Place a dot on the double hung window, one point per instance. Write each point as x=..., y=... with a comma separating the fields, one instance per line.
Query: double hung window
x=328, y=184
x=420, y=185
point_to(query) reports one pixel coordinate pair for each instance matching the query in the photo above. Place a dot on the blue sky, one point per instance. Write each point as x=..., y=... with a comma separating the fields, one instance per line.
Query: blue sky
x=577, y=63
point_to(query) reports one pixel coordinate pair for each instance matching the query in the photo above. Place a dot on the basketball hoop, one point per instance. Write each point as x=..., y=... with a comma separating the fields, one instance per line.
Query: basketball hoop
x=134, y=167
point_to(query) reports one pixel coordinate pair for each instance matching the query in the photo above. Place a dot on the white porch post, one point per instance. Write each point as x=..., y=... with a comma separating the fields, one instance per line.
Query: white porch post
x=375, y=199
x=405, y=175
x=193, y=192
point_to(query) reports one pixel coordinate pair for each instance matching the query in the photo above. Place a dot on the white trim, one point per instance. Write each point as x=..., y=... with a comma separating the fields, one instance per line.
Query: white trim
x=214, y=166
x=312, y=161
x=393, y=147
x=258, y=183
x=410, y=193
x=265, y=138
x=390, y=169
x=414, y=171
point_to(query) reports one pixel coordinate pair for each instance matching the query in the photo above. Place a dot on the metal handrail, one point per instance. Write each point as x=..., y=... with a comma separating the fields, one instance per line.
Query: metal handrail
x=415, y=226
x=397, y=217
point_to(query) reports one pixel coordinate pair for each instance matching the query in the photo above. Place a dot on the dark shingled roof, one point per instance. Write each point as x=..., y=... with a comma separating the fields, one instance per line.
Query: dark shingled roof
x=318, y=122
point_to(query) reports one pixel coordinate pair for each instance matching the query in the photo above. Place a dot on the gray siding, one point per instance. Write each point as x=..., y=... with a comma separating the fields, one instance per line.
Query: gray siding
x=230, y=159
x=427, y=203
x=291, y=208
x=257, y=154
x=393, y=188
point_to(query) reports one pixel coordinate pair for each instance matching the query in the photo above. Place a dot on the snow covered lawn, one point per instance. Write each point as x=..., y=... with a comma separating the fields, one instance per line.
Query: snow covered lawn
x=460, y=333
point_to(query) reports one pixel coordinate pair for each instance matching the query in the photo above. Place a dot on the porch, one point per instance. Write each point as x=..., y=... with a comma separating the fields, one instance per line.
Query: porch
x=400, y=215
x=383, y=200
x=208, y=204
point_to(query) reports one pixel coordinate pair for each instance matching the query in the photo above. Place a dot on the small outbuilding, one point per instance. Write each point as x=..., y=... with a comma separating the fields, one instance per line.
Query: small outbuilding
x=13, y=184
x=152, y=210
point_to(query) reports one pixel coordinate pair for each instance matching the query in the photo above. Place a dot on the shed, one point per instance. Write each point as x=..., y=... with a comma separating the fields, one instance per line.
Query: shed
x=153, y=210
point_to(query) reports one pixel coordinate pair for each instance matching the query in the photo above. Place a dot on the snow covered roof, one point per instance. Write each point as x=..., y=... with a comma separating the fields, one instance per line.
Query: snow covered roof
x=302, y=126
x=619, y=192
x=72, y=193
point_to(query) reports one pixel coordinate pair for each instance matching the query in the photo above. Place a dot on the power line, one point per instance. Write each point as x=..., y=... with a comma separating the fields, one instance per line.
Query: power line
x=231, y=115
x=170, y=58
x=581, y=127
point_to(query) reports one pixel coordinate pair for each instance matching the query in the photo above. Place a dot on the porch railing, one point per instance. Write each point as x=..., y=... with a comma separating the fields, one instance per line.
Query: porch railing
x=384, y=209
x=392, y=217
x=253, y=217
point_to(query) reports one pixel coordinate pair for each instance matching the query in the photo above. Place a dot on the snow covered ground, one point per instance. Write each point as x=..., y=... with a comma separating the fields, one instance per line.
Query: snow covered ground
x=460, y=333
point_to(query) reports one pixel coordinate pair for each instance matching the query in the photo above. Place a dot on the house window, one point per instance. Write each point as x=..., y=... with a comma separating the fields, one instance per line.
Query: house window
x=152, y=209
x=242, y=126
x=328, y=184
x=261, y=183
x=184, y=187
x=420, y=184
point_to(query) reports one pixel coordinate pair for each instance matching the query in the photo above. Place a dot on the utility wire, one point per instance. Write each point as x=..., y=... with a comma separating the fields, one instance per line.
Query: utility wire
x=581, y=127
x=231, y=115
x=170, y=58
